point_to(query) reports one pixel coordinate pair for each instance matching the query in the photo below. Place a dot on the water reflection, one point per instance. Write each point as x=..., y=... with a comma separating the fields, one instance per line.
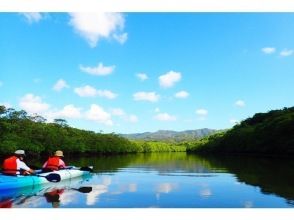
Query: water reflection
x=271, y=175
x=93, y=197
x=6, y=203
x=205, y=191
x=53, y=197
x=161, y=162
x=168, y=180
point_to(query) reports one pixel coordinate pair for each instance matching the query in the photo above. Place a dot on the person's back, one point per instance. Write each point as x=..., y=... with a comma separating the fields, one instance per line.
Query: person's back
x=54, y=162
x=14, y=165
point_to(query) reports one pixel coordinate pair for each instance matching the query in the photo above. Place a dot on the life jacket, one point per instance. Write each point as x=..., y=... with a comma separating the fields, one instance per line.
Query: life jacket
x=6, y=203
x=52, y=163
x=10, y=166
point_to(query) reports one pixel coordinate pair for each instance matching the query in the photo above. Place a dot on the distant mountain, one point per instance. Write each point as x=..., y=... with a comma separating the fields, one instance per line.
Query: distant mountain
x=168, y=135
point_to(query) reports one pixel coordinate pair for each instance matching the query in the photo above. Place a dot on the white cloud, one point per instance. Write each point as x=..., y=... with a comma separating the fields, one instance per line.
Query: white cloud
x=96, y=26
x=32, y=17
x=268, y=50
x=86, y=91
x=201, y=113
x=286, y=52
x=121, y=113
x=142, y=76
x=240, y=103
x=117, y=112
x=169, y=79
x=132, y=118
x=97, y=114
x=146, y=96
x=89, y=91
x=165, y=117
x=33, y=104
x=99, y=70
x=182, y=94
x=60, y=84
x=234, y=121
x=106, y=94
x=121, y=38
x=70, y=111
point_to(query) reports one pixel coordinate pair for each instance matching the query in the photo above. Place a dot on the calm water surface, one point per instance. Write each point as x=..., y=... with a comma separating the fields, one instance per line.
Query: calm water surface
x=168, y=180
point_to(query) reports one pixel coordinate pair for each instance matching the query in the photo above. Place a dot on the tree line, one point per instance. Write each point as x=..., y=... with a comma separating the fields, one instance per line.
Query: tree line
x=264, y=133
x=19, y=130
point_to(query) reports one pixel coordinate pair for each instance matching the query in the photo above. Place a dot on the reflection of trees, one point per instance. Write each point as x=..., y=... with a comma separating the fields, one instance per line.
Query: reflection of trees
x=271, y=175
x=104, y=163
x=173, y=162
x=162, y=162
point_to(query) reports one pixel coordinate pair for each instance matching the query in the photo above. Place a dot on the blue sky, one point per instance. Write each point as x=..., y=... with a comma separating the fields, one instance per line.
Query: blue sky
x=136, y=72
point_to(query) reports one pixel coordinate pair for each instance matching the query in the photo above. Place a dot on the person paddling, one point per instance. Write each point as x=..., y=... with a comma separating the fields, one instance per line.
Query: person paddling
x=54, y=162
x=14, y=165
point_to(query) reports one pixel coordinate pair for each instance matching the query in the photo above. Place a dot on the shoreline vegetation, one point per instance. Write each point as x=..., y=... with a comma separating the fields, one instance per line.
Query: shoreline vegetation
x=270, y=133
x=37, y=137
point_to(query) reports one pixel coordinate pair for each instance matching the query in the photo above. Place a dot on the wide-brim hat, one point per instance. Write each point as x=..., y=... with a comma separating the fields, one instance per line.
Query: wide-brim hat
x=59, y=153
x=20, y=152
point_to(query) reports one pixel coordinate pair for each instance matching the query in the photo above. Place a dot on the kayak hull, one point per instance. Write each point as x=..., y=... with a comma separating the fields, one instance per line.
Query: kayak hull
x=13, y=182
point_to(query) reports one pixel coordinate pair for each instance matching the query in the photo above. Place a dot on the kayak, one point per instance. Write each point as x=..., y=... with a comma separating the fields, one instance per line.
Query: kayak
x=32, y=195
x=19, y=181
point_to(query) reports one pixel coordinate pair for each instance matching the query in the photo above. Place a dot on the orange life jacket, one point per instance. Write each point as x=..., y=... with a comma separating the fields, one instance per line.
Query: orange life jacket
x=52, y=163
x=10, y=166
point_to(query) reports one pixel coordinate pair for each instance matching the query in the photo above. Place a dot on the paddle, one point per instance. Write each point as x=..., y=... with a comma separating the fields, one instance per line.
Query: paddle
x=84, y=189
x=52, y=177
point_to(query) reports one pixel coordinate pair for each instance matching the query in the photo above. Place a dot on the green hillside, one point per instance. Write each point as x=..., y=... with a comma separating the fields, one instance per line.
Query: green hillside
x=36, y=136
x=264, y=133
x=18, y=130
x=171, y=136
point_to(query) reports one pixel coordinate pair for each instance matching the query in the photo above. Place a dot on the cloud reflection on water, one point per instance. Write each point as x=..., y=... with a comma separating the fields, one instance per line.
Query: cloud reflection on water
x=165, y=188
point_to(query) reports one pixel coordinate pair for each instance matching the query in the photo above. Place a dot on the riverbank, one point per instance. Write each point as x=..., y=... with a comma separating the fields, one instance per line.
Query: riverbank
x=270, y=133
x=263, y=134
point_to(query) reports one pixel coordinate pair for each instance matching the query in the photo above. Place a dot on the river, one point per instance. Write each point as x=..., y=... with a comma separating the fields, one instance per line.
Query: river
x=168, y=180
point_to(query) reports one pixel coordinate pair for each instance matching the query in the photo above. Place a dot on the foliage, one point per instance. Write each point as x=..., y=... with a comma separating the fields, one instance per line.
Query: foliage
x=157, y=146
x=264, y=133
x=33, y=134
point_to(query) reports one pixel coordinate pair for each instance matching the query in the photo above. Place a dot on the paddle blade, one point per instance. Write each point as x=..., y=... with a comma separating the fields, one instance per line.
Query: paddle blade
x=53, y=177
x=85, y=189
